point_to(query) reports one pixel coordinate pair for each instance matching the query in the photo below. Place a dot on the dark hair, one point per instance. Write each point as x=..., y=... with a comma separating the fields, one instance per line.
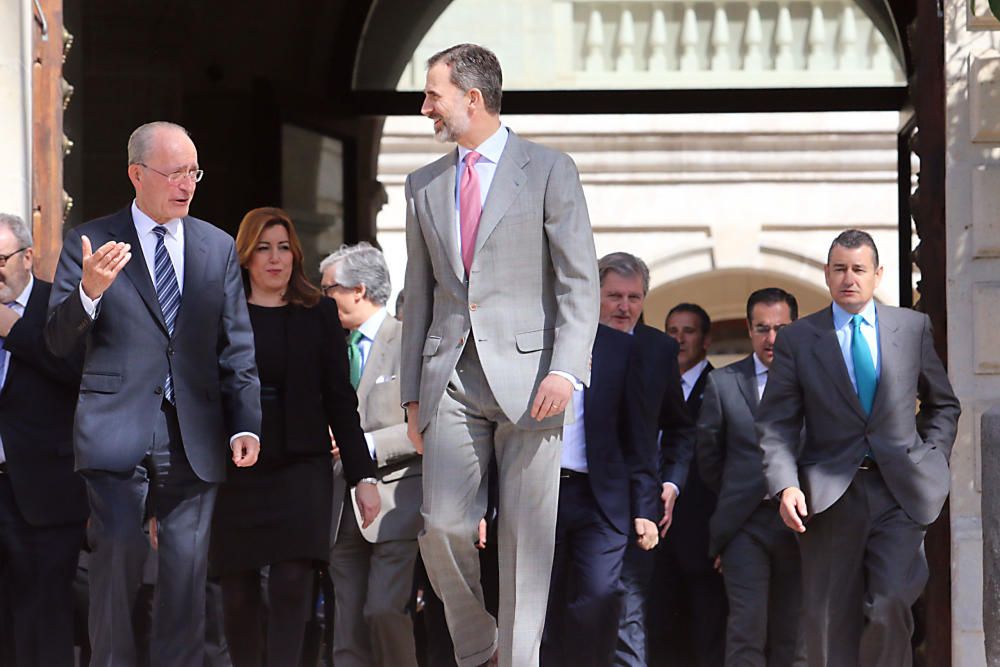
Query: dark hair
x=706, y=321
x=300, y=291
x=626, y=265
x=473, y=66
x=770, y=296
x=854, y=238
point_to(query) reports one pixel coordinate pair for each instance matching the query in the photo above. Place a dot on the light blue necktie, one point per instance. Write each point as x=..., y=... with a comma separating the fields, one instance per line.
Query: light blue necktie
x=169, y=295
x=864, y=368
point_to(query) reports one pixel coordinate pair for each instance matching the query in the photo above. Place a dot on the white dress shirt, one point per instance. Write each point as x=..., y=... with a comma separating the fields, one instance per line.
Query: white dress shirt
x=369, y=329
x=690, y=377
x=869, y=329
x=574, y=439
x=17, y=305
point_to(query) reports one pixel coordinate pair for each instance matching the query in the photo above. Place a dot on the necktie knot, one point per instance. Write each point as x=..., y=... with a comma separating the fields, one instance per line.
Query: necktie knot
x=355, y=337
x=857, y=320
x=471, y=158
x=159, y=230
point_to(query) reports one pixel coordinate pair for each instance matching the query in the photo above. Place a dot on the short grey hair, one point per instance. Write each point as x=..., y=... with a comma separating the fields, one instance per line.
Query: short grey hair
x=18, y=227
x=141, y=138
x=626, y=265
x=361, y=264
x=473, y=66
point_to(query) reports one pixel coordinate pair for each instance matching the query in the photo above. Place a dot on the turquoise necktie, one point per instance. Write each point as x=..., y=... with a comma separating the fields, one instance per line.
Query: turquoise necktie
x=354, y=356
x=864, y=369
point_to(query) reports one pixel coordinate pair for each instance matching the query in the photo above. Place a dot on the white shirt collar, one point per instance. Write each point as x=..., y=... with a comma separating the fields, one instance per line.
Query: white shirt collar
x=690, y=377
x=22, y=298
x=758, y=366
x=369, y=328
x=145, y=224
x=491, y=149
x=842, y=318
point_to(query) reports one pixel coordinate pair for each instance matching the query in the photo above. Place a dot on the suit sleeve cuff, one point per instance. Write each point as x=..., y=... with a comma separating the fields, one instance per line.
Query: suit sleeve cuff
x=241, y=434
x=89, y=305
x=370, y=440
x=577, y=385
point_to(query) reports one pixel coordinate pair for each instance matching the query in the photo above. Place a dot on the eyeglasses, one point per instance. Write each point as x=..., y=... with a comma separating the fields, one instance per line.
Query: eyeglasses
x=326, y=289
x=4, y=258
x=178, y=176
x=763, y=329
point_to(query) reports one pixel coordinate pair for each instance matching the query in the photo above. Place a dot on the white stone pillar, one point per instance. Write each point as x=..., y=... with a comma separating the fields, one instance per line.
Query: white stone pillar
x=15, y=107
x=972, y=180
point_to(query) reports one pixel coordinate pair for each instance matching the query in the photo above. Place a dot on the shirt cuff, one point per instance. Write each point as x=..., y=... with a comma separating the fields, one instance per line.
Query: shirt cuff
x=89, y=305
x=370, y=439
x=677, y=490
x=577, y=385
x=241, y=434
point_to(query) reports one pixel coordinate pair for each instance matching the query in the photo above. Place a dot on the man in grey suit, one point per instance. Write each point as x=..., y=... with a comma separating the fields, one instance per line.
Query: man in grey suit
x=759, y=556
x=372, y=568
x=872, y=472
x=501, y=314
x=169, y=388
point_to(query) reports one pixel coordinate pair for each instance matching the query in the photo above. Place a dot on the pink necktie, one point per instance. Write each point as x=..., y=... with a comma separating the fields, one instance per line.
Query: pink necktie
x=470, y=208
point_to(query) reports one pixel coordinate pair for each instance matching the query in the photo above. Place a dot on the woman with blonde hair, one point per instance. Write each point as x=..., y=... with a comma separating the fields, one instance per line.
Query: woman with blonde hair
x=277, y=513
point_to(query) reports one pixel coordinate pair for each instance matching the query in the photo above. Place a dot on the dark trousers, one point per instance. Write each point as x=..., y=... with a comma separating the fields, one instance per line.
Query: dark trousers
x=637, y=574
x=585, y=596
x=863, y=567
x=687, y=614
x=760, y=565
x=37, y=567
x=182, y=505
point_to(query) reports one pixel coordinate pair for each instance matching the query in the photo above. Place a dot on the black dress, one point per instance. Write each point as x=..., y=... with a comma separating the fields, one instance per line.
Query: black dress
x=278, y=509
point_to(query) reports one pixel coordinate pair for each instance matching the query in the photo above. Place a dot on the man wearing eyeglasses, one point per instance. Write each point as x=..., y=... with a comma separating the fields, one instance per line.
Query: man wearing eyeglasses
x=759, y=556
x=168, y=380
x=42, y=501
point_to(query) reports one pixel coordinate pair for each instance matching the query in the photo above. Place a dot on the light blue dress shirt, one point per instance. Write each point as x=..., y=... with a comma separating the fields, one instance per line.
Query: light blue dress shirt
x=869, y=329
x=486, y=168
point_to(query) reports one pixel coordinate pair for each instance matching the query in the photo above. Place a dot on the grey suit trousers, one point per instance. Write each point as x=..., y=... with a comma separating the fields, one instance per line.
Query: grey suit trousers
x=467, y=427
x=760, y=565
x=373, y=584
x=863, y=567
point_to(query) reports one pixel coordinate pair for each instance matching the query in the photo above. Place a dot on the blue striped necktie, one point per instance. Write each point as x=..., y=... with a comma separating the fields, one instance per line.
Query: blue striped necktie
x=169, y=295
x=864, y=368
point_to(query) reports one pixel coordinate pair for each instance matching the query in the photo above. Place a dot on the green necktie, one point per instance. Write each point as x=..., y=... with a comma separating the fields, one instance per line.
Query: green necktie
x=864, y=369
x=354, y=356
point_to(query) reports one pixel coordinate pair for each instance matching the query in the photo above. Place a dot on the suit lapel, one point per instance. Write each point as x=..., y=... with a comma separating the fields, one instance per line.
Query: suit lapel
x=831, y=359
x=376, y=357
x=507, y=182
x=195, y=263
x=123, y=229
x=748, y=383
x=440, y=198
x=889, y=354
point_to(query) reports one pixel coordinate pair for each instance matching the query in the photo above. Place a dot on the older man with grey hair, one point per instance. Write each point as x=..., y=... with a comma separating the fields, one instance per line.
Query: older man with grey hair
x=43, y=504
x=372, y=568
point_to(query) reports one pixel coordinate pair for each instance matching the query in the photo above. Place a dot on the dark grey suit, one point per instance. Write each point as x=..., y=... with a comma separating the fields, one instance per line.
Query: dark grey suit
x=129, y=442
x=745, y=529
x=862, y=553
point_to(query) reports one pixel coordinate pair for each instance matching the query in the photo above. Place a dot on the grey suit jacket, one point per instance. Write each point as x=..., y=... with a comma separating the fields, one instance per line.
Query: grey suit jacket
x=809, y=381
x=729, y=459
x=128, y=351
x=531, y=299
x=399, y=465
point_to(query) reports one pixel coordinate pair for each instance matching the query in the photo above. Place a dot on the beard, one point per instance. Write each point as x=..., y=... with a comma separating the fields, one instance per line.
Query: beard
x=451, y=128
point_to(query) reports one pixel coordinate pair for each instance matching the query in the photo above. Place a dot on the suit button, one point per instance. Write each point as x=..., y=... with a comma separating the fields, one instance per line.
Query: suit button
x=158, y=391
x=461, y=342
x=170, y=350
x=473, y=306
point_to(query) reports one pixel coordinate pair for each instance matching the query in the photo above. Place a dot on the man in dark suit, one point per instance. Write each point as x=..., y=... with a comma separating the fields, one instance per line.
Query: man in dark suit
x=689, y=591
x=624, y=285
x=169, y=381
x=42, y=500
x=872, y=472
x=608, y=491
x=759, y=556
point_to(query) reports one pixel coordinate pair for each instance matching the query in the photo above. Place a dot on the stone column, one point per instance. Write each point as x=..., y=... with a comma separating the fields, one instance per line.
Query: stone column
x=990, y=434
x=15, y=107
